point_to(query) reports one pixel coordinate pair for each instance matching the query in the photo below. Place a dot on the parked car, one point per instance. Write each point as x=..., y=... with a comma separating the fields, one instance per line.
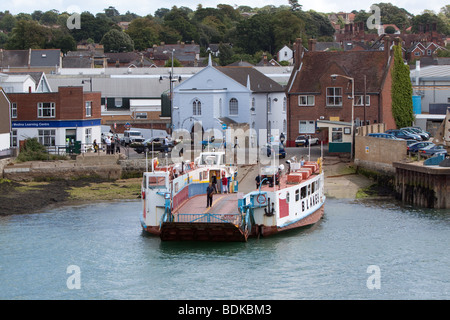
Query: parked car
x=132, y=136
x=267, y=173
x=301, y=140
x=159, y=144
x=402, y=134
x=268, y=150
x=424, y=135
x=432, y=150
x=383, y=135
x=414, y=148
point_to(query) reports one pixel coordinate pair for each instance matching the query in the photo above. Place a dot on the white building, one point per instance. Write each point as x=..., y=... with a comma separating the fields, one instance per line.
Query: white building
x=285, y=54
x=230, y=95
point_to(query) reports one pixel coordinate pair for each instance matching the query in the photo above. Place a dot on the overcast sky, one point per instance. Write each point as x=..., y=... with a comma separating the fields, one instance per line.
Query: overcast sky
x=144, y=7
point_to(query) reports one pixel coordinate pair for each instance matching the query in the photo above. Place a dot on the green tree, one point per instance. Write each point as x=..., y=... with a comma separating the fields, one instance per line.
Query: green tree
x=178, y=20
x=401, y=91
x=117, y=41
x=295, y=6
x=144, y=32
x=286, y=28
x=28, y=34
x=256, y=34
x=8, y=22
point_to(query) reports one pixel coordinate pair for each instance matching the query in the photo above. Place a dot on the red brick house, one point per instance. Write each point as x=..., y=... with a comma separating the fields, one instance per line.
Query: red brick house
x=55, y=117
x=313, y=95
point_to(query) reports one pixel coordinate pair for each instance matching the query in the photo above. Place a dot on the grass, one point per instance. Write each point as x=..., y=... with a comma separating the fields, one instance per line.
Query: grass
x=113, y=190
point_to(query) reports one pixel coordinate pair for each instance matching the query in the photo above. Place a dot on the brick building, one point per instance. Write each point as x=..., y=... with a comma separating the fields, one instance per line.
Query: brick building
x=56, y=117
x=314, y=95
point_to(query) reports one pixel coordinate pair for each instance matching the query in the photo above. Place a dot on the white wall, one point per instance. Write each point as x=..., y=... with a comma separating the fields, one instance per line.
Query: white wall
x=5, y=141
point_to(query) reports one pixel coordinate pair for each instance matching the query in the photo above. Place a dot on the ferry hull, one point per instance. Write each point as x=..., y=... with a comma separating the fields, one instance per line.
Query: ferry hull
x=266, y=231
x=213, y=232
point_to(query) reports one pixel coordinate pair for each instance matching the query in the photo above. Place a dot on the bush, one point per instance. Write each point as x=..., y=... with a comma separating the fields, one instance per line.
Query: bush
x=32, y=150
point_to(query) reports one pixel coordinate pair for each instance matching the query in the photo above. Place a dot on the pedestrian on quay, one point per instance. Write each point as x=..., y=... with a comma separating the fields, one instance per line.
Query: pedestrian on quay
x=209, y=195
x=214, y=182
x=224, y=184
x=95, y=145
x=258, y=180
x=108, y=145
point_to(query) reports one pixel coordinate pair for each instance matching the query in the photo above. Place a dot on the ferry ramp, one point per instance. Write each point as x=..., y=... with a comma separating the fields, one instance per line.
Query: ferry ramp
x=193, y=221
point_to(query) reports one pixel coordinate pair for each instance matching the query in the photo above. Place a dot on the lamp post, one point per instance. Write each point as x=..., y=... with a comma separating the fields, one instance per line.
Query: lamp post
x=171, y=91
x=334, y=76
x=90, y=81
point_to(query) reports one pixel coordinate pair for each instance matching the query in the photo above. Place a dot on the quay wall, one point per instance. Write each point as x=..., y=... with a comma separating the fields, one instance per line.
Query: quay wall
x=110, y=167
x=378, y=154
x=424, y=186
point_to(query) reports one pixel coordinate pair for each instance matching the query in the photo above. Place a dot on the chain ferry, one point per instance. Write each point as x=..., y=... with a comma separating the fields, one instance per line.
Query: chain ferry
x=174, y=201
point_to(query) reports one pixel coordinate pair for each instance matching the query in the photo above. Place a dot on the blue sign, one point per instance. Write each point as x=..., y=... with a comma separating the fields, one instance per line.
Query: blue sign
x=224, y=126
x=55, y=123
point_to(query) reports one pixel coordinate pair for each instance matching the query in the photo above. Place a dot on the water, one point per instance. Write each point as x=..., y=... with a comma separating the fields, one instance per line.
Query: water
x=327, y=261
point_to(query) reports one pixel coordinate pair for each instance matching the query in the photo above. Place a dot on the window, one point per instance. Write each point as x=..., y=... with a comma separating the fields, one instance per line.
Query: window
x=46, y=110
x=306, y=100
x=429, y=52
x=303, y=192
x=360, y=102
x=417, y=53
x=141, y=115
x=88, y=108
x=233, y=107
x=334, y=97
x=14, y=143
x=306, y=126
x=196, y=108
x=47, y=137
x=297, y=195
x=88, y=135
x=13, y=110
x=336, y=134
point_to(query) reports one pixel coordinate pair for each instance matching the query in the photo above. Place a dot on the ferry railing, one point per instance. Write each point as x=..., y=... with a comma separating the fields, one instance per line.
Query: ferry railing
x=208, y=218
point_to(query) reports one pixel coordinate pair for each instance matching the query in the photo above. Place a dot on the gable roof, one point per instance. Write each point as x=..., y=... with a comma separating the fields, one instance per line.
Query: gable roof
x=14, y=58
x=258, y=81
x=45, y=57
x=354, y=64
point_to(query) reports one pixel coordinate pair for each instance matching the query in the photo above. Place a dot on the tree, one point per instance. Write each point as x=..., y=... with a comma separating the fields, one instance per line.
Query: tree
x=28, y=34
x=144, y=32
x=402, y=107
x=295, y=6
x=117, y=41
x=389, y=30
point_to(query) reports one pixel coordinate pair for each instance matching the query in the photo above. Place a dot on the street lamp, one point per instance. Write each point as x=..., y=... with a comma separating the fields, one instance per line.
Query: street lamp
x=333, y=77
x=90, y=81
x=171, y=91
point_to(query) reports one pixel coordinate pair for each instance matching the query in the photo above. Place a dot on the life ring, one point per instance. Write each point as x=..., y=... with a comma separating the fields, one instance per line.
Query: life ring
x=261, y=198
x=155, y=163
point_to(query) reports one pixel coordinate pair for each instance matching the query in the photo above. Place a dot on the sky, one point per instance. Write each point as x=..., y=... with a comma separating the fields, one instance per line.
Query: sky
x=144, y=7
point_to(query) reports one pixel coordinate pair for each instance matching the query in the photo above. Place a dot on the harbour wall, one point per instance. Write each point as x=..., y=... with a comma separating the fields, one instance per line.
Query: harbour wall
x=411, y=182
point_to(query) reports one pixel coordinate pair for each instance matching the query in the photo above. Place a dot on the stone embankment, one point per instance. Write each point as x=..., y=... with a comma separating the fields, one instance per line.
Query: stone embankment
x=85, y=165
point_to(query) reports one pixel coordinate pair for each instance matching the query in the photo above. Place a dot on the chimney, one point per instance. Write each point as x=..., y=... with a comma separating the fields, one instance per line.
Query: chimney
x=298, y=52
x=312, y=44
x=387, y=46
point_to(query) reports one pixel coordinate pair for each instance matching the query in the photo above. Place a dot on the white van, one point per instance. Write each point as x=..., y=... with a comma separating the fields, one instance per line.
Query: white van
x=131, y=136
